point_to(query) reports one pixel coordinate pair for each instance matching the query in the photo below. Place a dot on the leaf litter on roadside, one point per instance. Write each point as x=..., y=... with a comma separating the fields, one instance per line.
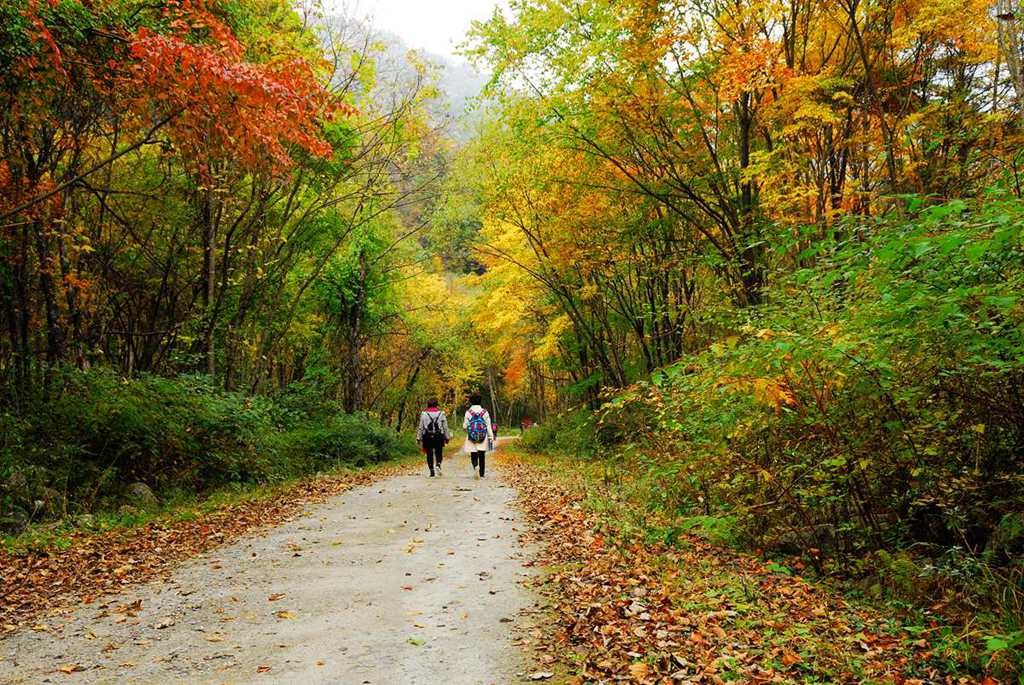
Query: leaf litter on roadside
x=96, y=564
x=632, y=610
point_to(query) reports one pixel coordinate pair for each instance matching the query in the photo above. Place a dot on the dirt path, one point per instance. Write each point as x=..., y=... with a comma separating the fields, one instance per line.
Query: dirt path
x=410, y=580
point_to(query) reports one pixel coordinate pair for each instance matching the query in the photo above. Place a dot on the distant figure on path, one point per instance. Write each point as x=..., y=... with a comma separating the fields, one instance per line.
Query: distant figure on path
x=479, y=433
x=433, y=433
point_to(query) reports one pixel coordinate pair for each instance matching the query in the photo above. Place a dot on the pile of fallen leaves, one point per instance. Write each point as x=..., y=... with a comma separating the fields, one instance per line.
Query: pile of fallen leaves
x=632, y=611
x=95, y=564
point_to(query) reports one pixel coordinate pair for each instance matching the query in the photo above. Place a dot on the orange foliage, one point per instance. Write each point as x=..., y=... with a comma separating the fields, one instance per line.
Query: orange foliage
x=227, y=106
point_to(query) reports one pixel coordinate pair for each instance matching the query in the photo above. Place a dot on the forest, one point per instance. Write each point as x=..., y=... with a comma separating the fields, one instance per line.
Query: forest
x=758, y=264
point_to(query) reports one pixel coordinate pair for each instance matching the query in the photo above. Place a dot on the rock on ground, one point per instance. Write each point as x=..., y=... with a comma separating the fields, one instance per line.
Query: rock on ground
x=140, y=495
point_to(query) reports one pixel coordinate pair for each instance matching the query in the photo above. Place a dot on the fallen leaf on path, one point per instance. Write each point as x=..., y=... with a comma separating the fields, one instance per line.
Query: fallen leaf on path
x=71, y=668
x=417, y=642
x=639, y=671
x=95, y=564
x=262, y=669
x=284, y=614
x=276, y=596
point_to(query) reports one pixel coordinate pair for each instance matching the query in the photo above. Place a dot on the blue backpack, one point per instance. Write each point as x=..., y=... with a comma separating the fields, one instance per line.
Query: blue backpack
x=476, y=429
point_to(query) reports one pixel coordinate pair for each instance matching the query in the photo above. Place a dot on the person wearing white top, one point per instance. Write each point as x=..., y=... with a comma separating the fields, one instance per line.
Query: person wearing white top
x=479, y=434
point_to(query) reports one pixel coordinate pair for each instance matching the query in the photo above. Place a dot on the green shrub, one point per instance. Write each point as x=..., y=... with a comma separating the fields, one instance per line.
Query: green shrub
x=570, y=433
x=76, y=450
x=876, y=407
x=356, y=439
x=881, y=394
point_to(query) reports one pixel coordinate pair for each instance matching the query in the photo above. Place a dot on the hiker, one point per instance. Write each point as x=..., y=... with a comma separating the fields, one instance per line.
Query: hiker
x=479, y=434
x=433, y=433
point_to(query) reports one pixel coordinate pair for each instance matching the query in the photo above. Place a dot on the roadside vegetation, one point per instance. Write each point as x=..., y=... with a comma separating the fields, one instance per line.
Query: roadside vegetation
x=105, y=445
x=862, y=430
x=758, y=265
x=212, y=220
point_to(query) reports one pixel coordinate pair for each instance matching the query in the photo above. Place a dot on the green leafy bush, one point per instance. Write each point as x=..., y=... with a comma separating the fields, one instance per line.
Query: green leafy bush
x=76, y=450
x=350, y=438
x=570, y=433
x=873, y=404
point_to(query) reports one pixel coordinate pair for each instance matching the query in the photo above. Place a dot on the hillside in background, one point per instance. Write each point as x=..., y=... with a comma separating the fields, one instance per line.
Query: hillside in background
x=456, y=85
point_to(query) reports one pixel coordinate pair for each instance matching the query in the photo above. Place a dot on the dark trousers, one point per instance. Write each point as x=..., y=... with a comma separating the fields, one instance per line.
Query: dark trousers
x=478, y=460
x=435, y=453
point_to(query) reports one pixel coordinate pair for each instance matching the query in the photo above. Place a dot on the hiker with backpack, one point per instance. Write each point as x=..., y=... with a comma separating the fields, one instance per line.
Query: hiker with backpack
x=479, y=434
x=433, y=433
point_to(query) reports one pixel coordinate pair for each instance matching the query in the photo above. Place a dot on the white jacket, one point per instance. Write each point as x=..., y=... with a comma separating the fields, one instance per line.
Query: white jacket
x=470, y=447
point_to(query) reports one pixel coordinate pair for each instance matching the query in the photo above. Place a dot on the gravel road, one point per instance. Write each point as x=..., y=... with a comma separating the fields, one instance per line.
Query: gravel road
x=410, y=580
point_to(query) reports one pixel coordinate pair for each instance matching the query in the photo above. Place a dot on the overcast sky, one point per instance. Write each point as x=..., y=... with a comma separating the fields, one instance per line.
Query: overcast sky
x=434, y=25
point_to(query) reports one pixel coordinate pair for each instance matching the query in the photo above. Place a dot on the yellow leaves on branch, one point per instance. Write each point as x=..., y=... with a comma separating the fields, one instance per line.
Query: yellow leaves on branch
x=547, y=349
x=771, y=392
x=962, y=25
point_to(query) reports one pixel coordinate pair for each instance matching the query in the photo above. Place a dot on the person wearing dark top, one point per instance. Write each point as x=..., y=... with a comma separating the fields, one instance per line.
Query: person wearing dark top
x=433, y=433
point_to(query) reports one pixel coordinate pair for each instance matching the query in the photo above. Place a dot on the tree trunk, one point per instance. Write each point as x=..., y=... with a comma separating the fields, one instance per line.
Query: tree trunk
x=352, y=400
x=209, y=276
x=47, y=287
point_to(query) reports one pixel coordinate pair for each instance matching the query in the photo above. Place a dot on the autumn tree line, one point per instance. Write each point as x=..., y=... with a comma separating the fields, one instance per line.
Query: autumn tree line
x=215, y=262
x=761, y=259
x=765, y=259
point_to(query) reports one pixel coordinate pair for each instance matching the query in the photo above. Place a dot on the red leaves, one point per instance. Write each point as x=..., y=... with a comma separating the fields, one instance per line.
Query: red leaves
x=44, y=36
x=193, y=73
x=228, y=107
